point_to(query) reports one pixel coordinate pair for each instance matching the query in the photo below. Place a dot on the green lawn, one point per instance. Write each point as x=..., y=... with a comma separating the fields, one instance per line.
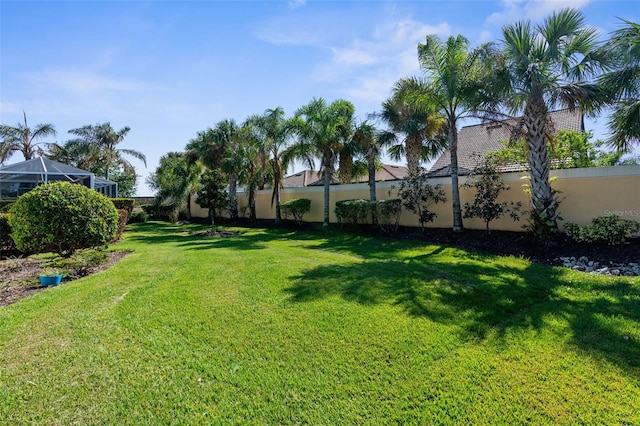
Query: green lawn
x=284, y=327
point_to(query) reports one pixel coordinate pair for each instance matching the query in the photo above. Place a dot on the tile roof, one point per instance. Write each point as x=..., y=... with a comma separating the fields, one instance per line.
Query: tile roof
x=475, y=142
x=312, y=178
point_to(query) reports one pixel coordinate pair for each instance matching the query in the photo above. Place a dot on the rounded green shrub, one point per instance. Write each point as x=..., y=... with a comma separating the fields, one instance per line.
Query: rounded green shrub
x=62, y=217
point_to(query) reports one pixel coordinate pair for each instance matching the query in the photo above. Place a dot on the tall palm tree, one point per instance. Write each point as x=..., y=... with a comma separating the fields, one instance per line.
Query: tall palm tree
x=276, y=131
x=416, y=119
x=322, y=131
x=623, y=83
x=103, y=140
x=22, y=138
x=546, y=66
x=452, y=72
x=251, y=153
x=367, y=138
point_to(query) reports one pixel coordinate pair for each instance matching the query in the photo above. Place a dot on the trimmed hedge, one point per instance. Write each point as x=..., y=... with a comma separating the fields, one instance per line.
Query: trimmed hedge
x=612, y=230
x=123, y=218
x=353, y=212
x=139, y=216
x=62, y=217
x=124, y=204
x=295, y=209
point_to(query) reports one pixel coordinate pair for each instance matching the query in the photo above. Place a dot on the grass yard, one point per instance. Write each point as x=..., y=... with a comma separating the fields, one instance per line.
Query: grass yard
x=284, y=327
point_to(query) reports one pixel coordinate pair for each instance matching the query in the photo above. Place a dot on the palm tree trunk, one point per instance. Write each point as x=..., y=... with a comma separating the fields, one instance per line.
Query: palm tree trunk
x=455, y=189
x=233, y=196
x=543, y=204
x=327, y=187
x=413, y=148
x=189, y=206
x=345, y=170
x=252, y=204
x=371, y=166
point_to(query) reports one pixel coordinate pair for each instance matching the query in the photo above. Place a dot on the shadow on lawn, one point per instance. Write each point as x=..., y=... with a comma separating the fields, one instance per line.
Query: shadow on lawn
x=185, y=236
x=458, y=288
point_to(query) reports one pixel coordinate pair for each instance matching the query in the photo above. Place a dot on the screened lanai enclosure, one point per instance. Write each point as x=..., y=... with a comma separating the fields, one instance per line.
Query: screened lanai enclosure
x=17, y=179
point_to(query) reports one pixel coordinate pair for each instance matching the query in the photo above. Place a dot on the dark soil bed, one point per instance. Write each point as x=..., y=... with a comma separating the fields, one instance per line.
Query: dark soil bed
x=19, y=276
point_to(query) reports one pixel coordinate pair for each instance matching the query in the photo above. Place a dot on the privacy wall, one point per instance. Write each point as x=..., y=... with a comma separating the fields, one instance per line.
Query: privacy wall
x=584, y=194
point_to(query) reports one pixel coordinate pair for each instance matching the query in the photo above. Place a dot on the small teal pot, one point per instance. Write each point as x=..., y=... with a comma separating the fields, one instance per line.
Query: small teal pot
x=46, y=281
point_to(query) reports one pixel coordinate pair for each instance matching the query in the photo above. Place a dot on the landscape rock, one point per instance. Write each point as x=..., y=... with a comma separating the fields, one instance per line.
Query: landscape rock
x=583, y=264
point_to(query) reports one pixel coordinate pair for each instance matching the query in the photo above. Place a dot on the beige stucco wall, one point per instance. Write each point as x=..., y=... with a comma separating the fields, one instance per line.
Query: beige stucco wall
x=584, y=194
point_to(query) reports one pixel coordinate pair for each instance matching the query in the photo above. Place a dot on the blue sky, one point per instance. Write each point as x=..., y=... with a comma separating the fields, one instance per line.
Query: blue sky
x=169, y=69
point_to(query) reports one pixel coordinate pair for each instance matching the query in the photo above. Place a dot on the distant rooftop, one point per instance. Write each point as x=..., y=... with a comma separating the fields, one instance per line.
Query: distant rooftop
x=475, y=142
x=313, y=178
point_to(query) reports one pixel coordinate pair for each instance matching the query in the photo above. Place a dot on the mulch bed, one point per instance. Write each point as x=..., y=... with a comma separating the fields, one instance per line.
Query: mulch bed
x=19, y=276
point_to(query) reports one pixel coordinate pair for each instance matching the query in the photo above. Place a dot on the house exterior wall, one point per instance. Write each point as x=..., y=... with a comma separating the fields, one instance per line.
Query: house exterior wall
x=584, y=194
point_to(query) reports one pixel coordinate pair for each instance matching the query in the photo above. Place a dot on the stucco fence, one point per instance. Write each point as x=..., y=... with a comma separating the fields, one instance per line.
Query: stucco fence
x=584, y=194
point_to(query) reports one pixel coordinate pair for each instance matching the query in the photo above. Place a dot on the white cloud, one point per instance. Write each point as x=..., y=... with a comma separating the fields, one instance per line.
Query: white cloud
x=80, y=82
x=534, y=10
x=370, y=66
x=294, y=4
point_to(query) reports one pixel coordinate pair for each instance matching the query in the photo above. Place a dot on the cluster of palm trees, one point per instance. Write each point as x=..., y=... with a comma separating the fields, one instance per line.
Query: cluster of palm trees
x=95, y=149
x=531, y=71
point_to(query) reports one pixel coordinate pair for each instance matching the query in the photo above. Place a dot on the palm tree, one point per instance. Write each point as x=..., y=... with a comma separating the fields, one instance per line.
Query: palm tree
x=217, y=148
x=624, y=86
x=102, y=141
x=175, y=181
x=22, y=138
x=276, y=132
x=367, y=138
x=322, y=130
x=452, y=72
x=251, y=153
x=546, y=66
x=415, y=117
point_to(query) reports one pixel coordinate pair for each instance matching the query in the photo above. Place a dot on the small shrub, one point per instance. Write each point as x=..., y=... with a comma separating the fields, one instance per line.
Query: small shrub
x=353, y=212
x=295, y=209
x=78, y=264
x=124, y=203
x=139, y=216
x=123, y=218
x=487, y=181
x=417, y=196
x=388, y=214
x=62, y=217
x=612, y=230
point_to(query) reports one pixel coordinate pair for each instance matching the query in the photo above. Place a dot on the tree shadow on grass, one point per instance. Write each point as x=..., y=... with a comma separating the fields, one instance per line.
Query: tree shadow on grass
x=187, y=237
x=478, y=297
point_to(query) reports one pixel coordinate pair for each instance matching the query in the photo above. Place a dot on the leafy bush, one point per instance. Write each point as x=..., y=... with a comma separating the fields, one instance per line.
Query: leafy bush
x=5, y=205
x=296, y=208
x=353, y=211
x=123, y=218
x=124, y=203
x=388, y=214
x=417, y=196
x=62, y=217
x=612, y=230
x=139, y=216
